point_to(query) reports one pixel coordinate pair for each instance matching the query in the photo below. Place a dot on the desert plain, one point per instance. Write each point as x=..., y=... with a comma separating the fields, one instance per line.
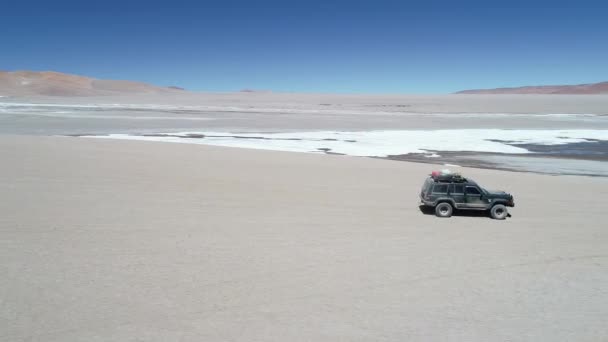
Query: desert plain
x=121, y=240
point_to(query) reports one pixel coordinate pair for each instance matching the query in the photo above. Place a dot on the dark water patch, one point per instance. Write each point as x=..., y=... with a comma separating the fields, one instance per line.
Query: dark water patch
x=591, y=150
x=506, y=142
x=238, y=137
x=169, y=135
x=533, y=162
x=196, y=136
x=78, y=135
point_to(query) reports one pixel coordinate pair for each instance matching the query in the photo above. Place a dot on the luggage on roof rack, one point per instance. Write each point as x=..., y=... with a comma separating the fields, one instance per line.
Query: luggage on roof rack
x=447, y=176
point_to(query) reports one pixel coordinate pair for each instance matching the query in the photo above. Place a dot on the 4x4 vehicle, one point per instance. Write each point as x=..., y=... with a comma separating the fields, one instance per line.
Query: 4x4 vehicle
x=445, y=191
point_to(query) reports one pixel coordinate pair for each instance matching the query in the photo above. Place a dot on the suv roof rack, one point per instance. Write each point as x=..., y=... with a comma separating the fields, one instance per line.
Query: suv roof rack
x=447, y=176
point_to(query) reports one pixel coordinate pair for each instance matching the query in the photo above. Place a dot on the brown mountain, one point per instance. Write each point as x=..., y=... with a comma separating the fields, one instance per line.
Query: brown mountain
x=591, y=88
x=49, y=83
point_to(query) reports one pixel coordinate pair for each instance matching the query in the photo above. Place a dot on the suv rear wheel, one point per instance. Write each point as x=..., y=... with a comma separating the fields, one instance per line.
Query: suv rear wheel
x=444, y=209
x=499, y=212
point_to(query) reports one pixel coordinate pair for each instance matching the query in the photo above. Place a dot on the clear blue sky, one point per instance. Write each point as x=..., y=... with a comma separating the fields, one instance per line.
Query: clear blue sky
x=312, y=46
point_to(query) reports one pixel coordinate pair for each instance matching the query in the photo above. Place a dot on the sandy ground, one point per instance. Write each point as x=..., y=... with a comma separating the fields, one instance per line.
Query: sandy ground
x=143, y=241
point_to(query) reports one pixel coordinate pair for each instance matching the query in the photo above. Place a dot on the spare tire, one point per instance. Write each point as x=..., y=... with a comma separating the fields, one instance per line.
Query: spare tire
x=443, y=209
x=499, y=212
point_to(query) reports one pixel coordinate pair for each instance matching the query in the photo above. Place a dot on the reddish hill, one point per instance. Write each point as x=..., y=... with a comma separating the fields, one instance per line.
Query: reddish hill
x=591, y=88
x=49, y=83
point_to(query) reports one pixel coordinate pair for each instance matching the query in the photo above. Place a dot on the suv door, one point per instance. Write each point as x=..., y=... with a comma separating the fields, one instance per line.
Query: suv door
x=473, y=197
x=457, y=194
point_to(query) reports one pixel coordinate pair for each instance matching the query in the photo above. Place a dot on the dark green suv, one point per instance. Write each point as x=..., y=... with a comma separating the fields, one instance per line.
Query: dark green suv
x=445, y=193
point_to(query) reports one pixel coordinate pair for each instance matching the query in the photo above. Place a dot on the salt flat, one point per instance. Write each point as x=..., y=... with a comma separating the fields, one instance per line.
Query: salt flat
x=255, y=112
x=380, y=143
x=128, y=240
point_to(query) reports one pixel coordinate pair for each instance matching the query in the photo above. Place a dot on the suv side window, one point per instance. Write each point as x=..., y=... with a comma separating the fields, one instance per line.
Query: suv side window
x=458, y=189
x=471, y=190
x=440, y=189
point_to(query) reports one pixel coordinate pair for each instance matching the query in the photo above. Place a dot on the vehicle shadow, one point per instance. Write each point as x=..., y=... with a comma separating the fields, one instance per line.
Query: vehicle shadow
x=464, y=213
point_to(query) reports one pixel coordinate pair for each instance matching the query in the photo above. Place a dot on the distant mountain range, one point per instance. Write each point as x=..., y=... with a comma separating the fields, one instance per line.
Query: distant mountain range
x=591, y=88
x=49, y=83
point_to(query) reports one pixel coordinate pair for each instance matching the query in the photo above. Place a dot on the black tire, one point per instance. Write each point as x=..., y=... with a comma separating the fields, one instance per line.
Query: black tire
x=443, y=209
x=499, y=212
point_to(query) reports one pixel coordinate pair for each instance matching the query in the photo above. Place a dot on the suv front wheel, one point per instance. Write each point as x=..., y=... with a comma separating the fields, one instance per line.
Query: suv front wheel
x=499, y=212
x=444, y=209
